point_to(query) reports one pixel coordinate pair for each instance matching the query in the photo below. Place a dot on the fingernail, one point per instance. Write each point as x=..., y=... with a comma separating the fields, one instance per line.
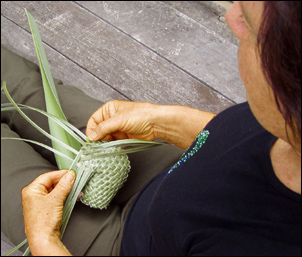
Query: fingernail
x=79, y=196
x=93, y=135
x=70, y=176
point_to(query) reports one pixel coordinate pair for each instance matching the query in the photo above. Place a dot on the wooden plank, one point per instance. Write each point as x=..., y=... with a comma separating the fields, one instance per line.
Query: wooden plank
x=209, y=14
x=112, y=56
x=204, y=51
x=20, y=41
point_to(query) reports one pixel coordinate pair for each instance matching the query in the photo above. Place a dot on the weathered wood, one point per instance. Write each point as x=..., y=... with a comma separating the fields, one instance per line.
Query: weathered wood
x=111, y=56
x=209, y=14
x=21, y=42
x=208, y=55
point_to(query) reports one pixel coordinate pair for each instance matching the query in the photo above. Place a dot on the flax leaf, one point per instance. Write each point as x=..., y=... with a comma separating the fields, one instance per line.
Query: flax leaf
x=16, y=247
x=54, y=139
x=40, y=144
x=51, y=98
x=72, y=130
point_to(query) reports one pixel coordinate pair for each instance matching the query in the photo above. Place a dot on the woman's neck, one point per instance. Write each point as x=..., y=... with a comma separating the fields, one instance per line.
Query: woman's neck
x=287, y=164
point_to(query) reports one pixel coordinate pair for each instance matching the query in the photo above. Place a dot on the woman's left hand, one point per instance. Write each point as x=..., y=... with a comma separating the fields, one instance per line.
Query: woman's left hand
x=42, y=202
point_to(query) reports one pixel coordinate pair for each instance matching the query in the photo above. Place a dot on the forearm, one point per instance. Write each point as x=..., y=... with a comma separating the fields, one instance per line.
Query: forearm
x=179, y=125
x=175, y=124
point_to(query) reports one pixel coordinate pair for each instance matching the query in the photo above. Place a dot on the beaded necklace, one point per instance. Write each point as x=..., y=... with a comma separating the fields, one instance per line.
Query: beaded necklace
x=199, y=142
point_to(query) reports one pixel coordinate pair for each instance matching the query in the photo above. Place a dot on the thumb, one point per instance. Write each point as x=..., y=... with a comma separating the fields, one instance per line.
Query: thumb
x=64, y=186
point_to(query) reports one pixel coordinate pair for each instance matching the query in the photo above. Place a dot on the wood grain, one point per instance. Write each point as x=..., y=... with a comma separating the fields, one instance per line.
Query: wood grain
x=104, y=59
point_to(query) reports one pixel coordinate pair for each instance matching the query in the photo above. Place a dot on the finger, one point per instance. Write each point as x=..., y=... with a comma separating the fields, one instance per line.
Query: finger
x=119, y=136
x=103, y=129
x=49, y=179
x=98, y=116
x=108, y=138
x=79, y=196
x=90, y=127
x=96, y=125
x=64, y=186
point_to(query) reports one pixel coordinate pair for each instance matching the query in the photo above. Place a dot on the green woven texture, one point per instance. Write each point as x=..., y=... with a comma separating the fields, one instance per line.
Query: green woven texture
x=109, y=174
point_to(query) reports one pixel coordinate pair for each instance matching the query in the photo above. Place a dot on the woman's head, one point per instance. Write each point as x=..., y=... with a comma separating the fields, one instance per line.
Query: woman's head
x=269, y=58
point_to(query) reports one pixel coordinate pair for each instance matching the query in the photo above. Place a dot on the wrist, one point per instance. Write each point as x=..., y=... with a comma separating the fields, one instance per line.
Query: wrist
x=169, y=124
x=47, y=245
x=179, y=125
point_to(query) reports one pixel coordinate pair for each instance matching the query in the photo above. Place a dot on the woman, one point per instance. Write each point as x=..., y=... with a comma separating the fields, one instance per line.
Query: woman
x=236, y=189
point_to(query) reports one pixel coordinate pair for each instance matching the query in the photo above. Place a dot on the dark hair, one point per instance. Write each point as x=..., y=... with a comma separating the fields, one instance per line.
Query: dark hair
x=279, y=45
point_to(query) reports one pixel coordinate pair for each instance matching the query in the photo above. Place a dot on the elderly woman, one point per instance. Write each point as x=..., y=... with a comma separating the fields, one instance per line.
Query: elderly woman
x=236, y=190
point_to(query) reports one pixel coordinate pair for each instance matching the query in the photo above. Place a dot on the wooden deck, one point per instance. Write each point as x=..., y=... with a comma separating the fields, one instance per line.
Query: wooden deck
x=160, y=52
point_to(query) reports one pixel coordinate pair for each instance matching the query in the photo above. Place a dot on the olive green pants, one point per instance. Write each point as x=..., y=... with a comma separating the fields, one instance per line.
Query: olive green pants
x=90, y=231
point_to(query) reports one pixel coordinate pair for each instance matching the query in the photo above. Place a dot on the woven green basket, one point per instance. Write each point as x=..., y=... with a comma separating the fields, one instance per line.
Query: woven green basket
x=109, y=175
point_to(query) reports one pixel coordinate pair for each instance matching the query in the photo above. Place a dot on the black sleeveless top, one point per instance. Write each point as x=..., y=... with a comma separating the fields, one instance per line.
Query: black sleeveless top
x=221, y=198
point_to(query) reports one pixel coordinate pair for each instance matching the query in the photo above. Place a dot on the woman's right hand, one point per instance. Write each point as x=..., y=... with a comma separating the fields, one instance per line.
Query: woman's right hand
x=122, y=120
